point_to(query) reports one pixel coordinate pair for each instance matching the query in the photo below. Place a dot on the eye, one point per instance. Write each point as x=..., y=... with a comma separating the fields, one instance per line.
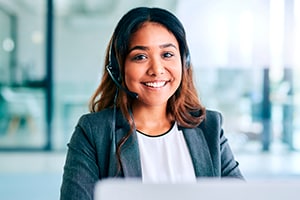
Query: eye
x=139, y=57
x=168, y=55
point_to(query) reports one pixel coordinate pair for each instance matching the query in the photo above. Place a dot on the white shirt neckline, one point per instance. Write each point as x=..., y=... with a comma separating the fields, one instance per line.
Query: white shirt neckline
x=165, y=158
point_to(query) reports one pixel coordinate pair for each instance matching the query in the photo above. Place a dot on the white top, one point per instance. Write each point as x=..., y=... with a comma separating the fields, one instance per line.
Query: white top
x=165, y=158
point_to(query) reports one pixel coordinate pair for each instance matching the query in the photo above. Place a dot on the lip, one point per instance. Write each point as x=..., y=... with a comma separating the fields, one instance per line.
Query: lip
x=155, y=84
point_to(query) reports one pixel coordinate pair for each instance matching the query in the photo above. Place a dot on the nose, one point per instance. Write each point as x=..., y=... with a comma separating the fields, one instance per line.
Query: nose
x=156, y=67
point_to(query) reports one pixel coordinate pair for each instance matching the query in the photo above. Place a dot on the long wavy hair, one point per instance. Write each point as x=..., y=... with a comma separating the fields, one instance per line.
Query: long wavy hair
x=184, y=106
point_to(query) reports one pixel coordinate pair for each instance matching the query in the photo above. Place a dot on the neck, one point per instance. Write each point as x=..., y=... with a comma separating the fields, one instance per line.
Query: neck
x=151, y=120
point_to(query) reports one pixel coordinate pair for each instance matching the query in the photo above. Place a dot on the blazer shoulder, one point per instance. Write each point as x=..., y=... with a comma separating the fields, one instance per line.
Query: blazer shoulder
x=102, y=120
x=103, y=115
x=213, y=116
x=212, y=123
x=94, y=123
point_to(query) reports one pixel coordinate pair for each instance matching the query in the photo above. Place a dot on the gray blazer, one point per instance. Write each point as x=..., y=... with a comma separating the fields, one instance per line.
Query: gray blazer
x=91, y=155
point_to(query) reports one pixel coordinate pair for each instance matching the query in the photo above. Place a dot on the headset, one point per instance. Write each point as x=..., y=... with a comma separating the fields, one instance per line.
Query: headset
x=114, y=71
x=187, y=60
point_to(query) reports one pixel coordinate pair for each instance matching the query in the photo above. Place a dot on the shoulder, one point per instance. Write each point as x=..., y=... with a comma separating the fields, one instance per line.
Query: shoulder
x=103, y=117
x=105, y=114
x=101, y=121
x=92, y=124
x=95, y=128
x=212, y=125
x=212, y=118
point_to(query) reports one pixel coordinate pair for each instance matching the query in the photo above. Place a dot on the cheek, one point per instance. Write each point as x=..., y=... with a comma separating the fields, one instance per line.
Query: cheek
x=178, y=73
x=132, y=75
x=179, y=69
x=179, y=77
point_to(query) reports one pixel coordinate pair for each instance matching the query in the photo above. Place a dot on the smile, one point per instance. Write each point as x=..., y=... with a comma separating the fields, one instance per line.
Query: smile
x=157, y=84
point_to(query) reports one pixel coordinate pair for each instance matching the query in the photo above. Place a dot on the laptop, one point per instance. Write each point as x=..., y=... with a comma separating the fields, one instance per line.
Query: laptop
x=124, y=189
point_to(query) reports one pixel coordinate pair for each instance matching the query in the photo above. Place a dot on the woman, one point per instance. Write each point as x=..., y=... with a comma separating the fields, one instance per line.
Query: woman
x=146, y=119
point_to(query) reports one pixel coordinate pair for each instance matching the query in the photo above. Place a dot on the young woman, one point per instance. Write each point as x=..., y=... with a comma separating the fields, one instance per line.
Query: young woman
x=146, y=119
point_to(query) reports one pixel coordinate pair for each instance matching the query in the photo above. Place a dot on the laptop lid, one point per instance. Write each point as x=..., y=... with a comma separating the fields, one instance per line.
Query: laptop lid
x=125, y=189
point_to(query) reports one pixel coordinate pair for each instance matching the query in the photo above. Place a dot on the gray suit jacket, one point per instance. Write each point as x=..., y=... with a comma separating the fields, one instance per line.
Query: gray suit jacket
x=91, y=154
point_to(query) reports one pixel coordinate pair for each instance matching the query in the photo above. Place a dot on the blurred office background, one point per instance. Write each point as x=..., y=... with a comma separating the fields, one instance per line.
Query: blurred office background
x=246, y=57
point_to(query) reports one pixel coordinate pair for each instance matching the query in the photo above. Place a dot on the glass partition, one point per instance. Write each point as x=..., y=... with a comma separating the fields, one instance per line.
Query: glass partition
x=260, y=113
x=22, y=75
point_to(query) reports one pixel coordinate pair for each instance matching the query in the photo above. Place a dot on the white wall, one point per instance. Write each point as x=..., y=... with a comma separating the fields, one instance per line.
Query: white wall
x=227, y=33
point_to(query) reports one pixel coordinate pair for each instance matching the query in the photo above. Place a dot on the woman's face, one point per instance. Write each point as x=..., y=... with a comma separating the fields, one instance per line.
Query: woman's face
x=153, y=67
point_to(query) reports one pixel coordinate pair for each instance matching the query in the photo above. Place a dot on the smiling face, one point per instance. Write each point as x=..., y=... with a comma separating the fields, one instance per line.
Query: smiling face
x=153, y=67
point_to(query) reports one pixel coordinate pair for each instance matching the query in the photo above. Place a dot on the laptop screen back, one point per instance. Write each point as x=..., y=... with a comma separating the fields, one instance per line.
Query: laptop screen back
x=204, y=190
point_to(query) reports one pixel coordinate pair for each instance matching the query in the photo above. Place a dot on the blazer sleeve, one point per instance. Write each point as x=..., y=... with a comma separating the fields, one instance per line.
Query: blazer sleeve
x=221, y=152
x=229, y=166
x=81, y=170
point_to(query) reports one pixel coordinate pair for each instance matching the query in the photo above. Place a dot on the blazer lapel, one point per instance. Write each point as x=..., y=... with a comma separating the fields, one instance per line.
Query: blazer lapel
x=130, y=158
x=199, y=152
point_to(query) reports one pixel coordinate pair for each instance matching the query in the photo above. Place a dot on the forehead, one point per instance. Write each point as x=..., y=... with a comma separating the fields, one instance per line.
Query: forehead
x=152, y=32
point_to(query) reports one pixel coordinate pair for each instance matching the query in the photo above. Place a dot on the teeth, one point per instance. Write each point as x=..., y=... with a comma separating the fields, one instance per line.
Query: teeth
x=156, y=84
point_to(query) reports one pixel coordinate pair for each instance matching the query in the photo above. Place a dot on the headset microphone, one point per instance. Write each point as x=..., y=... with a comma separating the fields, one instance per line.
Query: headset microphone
x=109, y=70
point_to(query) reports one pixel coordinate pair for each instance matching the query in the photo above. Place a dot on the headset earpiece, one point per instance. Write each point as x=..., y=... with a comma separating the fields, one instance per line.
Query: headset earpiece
x=114, y=72
x=113, y=65
x=187, y=60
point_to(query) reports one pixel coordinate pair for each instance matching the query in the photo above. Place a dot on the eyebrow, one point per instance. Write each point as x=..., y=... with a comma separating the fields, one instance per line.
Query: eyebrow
x=167, y=45
x=147, y=48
